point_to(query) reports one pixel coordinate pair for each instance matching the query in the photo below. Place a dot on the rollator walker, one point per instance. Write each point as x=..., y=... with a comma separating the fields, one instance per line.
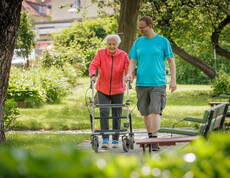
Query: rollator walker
x=126, y=133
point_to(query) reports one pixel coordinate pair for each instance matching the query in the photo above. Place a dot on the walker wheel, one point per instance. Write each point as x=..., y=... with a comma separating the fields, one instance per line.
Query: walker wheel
x=95, y=144
x=125, y=144
x=131, y=140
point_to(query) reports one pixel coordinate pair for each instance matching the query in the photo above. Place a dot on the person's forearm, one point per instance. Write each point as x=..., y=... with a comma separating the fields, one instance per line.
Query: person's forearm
x=172, y=67
x=132, y=66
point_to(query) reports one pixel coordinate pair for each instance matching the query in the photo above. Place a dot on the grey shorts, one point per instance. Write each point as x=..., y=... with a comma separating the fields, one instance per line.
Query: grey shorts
x=151, y=99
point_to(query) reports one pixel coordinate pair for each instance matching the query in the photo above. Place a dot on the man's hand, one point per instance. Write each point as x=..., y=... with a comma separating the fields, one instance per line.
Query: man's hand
x=172, y=86
x=129, y=77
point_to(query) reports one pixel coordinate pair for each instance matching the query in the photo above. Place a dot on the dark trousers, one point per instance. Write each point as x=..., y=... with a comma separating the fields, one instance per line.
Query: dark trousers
x=116, y=112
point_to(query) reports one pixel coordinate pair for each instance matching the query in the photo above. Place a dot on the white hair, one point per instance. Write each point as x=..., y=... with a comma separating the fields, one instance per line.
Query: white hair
x=113, y=36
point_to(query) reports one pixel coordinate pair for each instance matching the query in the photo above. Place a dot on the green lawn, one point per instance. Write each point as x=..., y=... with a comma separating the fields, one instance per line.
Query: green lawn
x=72, y=113
x=41, y=141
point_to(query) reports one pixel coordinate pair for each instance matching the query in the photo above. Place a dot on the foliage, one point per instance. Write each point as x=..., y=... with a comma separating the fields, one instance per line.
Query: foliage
x=24, y=85
x=220, y=84
x=71, y=73
x=82, y=40
x=189, y=25
x=114, y=4
x=38, y=86
x=10, y=114
x=201, y=159
x=26, y=36
x=188, y=74
x=51, y=57
x=198, y=160
x=229, y=88
x=61, y=57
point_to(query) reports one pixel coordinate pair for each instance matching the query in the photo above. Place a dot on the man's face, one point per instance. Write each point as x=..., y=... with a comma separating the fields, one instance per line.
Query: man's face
x=144, y=29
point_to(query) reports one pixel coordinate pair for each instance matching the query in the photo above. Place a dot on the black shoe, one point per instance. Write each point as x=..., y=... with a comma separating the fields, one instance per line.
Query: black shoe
x=155, y=147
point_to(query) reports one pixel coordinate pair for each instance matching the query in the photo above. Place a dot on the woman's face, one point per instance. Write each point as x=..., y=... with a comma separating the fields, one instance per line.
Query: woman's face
x=112, y=45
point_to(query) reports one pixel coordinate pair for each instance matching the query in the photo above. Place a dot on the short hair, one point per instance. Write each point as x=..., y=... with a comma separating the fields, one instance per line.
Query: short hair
x=113, y=36
x=148, y=20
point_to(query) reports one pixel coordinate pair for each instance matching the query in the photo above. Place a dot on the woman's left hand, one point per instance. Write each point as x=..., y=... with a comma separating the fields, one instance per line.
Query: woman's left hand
x=93, y=79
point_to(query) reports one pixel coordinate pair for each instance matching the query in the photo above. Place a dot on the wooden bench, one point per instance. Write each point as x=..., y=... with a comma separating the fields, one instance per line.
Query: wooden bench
x=213, y=119
x=163, y=141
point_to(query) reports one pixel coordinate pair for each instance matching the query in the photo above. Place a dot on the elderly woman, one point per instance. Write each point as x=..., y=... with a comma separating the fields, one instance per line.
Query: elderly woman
x=110, y=85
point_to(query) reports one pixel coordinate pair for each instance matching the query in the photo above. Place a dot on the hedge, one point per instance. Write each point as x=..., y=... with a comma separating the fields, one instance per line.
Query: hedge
x=201, y=159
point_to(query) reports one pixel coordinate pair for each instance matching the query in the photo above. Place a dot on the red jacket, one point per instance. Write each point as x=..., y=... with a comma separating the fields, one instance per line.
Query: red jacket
x=111, y=71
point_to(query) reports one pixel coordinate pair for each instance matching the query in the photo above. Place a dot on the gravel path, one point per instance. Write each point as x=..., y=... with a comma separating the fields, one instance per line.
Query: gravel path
x=138, y=135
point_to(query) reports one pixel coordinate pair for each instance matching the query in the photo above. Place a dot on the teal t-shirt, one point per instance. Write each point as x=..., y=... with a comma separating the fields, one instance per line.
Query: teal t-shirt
x=150, y=54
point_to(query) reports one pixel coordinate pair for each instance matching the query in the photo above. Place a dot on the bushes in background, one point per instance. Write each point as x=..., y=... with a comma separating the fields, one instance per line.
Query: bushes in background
x=220, y=83
x=10, y=114
x=41, y=85
x=189, y=74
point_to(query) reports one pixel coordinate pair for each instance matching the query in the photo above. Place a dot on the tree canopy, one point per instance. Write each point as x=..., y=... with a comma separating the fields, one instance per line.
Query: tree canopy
x=192, y=27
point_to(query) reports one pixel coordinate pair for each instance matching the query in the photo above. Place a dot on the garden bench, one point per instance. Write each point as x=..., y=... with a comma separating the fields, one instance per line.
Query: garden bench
x=213, y=119
x=213, y=103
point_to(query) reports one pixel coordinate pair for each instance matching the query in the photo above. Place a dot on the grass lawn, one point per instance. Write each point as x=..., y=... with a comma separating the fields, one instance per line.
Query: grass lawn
x=72, y=113
x=41, y=141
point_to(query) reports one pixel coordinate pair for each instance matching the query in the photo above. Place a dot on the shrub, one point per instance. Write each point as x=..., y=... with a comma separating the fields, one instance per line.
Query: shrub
x=220, y=83
x=10, y=114
x=61, y=57
x=24, y=85
x=38, y=86
x=51, y=57
x=54, y=84
x=201, y=158
x=70, y=72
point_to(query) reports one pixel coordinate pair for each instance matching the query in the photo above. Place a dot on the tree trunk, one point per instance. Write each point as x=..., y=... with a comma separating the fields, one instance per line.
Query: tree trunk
x=9, y=23
x=197, y=62
x=127, y=28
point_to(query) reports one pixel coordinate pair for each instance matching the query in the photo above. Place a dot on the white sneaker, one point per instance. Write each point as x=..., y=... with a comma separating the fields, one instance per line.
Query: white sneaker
x=105, y=143
x=115, y=144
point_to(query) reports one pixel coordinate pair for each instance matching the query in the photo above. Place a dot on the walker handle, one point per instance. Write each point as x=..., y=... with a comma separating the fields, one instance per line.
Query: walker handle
x=130, y=86
x=92, y=87
x=91, y=84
